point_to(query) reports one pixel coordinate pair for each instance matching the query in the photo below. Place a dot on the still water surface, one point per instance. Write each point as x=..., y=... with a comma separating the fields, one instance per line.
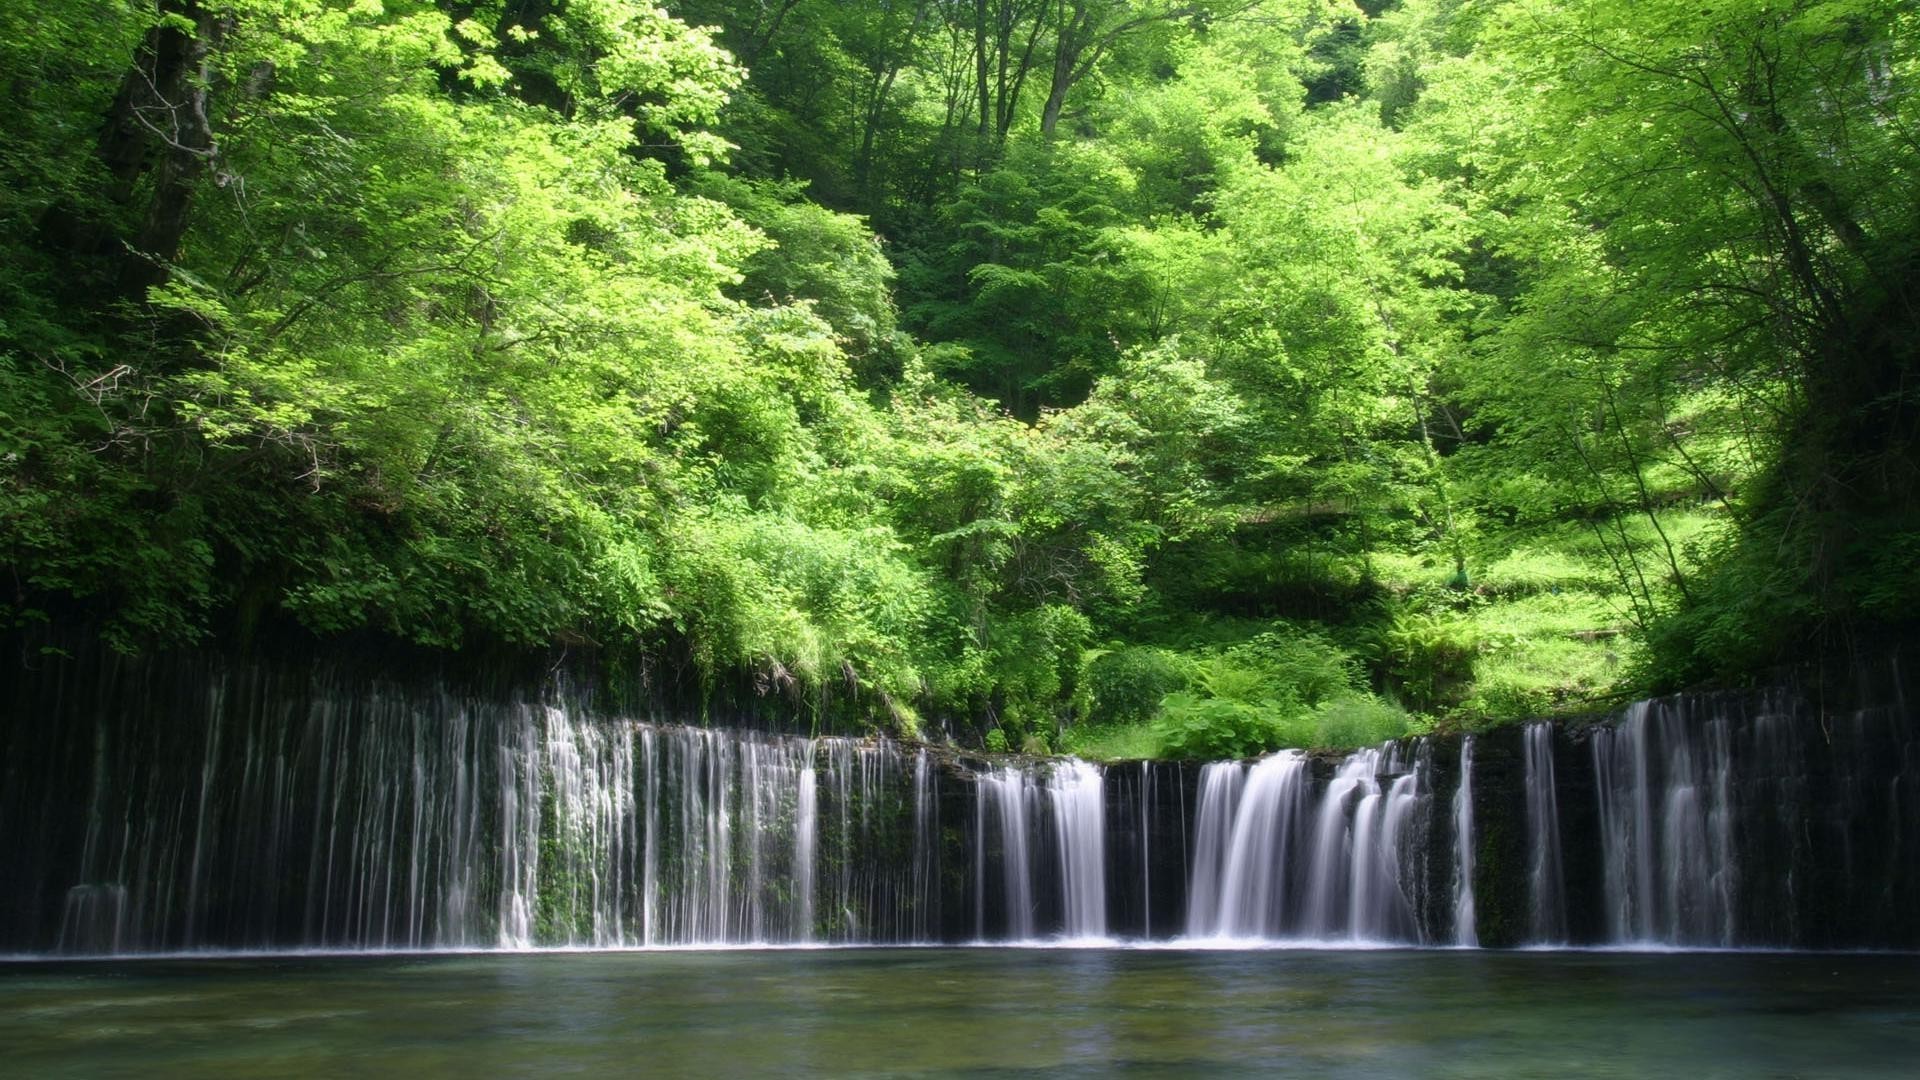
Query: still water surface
x=969, y=1012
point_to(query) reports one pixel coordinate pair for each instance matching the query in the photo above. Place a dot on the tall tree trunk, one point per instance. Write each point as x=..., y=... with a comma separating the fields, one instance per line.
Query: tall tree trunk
x=1068, y=43
x=158, y=127
x=878, y=94
x=1056, y=100
x=982, y=93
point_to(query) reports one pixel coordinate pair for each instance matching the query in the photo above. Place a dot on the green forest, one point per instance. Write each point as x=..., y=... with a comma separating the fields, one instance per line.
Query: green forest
x=1131, y=378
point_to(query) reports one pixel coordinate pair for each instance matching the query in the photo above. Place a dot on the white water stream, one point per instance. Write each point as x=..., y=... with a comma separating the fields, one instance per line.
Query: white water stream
x=378, y=821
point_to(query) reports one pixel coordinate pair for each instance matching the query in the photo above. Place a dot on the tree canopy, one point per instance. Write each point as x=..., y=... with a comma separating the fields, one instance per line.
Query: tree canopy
x=1131, y=376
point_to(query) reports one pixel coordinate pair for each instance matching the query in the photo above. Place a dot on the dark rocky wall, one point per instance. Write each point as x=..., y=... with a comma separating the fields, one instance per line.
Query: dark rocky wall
x=1817, y=777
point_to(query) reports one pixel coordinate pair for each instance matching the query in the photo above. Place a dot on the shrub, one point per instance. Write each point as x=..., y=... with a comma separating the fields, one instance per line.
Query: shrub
x=1353, y=720
x=1302, y=664
x=1127, y=685
x=1209, y=728
x=1427, y=658
x=1036, y=655
x=1264, y=693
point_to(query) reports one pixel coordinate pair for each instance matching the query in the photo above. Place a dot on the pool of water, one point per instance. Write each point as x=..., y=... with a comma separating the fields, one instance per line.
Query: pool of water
x=969, y=1012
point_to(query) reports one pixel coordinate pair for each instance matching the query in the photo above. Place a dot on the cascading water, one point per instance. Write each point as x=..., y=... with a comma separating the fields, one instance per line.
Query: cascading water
x=806, y=842
x=1546, y=876
x=1248, y=821
x=377, y=822
x=1016, y=812
x=279, y=808
x=1146, y=803
x=1273, y=861
x=1666, y=828
x=1465, y=931
x=923, y=888
x=1001, y=798
x=1077, y=795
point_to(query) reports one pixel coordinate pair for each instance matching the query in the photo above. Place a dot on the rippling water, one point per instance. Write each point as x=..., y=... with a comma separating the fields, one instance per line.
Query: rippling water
x=969, y=1012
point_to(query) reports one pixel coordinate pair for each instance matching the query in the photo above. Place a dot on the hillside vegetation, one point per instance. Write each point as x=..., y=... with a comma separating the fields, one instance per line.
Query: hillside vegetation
x=1131, y=377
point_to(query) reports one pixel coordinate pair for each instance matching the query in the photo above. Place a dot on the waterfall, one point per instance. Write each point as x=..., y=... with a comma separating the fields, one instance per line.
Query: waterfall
x=1465, y=919
x=1005, y=792
x=278, y=808
x=1146, y=848
x=1247, y=816
x=1546, y=876
x=377, y=821
x=1076, y=793
x=925, y=883
x=806, y=842
x=94, y=920
x=1015, y=811
x=1666, y=827
x=1272, y=860
x=1219, y=800
x=1387, y=856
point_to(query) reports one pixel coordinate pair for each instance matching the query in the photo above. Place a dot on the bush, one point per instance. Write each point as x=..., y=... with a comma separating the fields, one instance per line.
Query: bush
x=1208, y=728
x=1036, y=655
x=1127, y=685
x=1354, y=720
x=1302, y=664
x=759, y=590
x=1195, y=727
x=1288, y=687
x=1427, y=658
x=1507, y=696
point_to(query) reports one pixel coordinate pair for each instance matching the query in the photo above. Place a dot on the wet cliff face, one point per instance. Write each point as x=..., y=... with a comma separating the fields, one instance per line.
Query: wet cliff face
x=1780, y=817
x=196, y=804
x=1785, y=817
x=193, y=803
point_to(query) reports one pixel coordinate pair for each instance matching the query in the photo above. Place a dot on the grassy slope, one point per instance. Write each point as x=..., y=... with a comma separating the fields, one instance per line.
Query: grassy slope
x=1544, y=624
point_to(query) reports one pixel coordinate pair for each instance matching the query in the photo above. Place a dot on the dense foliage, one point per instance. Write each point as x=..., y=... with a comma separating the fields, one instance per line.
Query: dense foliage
x=1128, y=376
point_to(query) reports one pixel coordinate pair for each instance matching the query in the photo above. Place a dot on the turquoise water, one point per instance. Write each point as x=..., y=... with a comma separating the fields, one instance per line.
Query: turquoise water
x=969, y=1012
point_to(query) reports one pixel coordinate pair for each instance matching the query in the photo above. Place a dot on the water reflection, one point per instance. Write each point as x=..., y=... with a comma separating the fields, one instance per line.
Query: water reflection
x=941, y=1012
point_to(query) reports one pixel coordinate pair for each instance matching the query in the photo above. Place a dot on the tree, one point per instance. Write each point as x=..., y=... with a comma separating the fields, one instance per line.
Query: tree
x=1745, y=184
x=1084, y=31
